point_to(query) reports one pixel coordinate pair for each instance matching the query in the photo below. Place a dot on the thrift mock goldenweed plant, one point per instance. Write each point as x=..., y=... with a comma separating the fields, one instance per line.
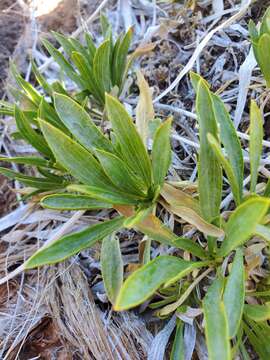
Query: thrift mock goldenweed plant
x=86, y=169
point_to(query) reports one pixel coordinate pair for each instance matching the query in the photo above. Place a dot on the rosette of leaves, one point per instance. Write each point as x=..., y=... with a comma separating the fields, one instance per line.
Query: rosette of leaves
x=84, y=169
x=260, y=40
x=95, y=69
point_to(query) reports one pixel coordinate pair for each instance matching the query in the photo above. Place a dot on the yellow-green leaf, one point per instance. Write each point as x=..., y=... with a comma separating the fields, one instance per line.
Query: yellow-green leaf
x=209, y=169
x=69, y=245
x=133, y=149
x=80, y=124
x=111, y=266
x=161, y=153
x=73, y=202
x=242, y=223
x=81, y=164
x=257, y=312
x=216, y=323
x=234, y=294
x=227, y=167
x=143, y=283
x=255, y=144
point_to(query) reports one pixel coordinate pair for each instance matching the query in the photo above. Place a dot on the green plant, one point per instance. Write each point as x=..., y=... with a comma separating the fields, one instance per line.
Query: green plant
x=261, y=44
x=81, y=168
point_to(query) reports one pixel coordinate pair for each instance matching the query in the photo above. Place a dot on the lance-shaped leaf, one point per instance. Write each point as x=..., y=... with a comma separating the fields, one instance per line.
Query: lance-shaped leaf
x=41, y=79
x=144, y=110
x=229, y=140
x=64, y=64
x=216, y=323
x=257, y=312
x=81, y=164
x=227, y=167
x=178, y=349
x=80, y=124
x=31, y=92
x=91, y=48
x=28, y=160
x=35, y=182
x=30, y=135
x=133, y=149
x=120, y=53
x=242, y=223
x=209, y=169
x=255, y=144
x=47, y=112
x=161, y=153
x=69, y=245
x=111, y=266
x=143, y=283
x=262, y=51
x=86, y=72
x=101, y=67
x=110, y=195
x=120, y=175
x=234, y=294
x=73, y=202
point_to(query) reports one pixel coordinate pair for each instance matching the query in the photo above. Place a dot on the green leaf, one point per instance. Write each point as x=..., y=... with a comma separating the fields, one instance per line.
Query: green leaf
x=161, y=153
x=111, y=266
x=72, y=202
x=63, y=63
x=120, y=175
x=31, y=181
x=143, y=283
x=30, y=135
x=257, y=312
x=262, y=51
x=133, y=149
x=80, y=163
x=265, y=26
x=91, y=47
x=216, y=323
x=69, y=245
x=80, y=124
x=120, y=53
x=64, y=42
x=178, y=348
x=101, y=67
x=47, y=112
x=234, y=294
x=87, y=75
x=253, y=32
x=41, y=80
x=112, y=196
x=28, y=160
x=255, y=144
x=258, y=336
x=227, y=167
x=209, y=169
x=229, y=140
x=242, y=223
x=31, y=92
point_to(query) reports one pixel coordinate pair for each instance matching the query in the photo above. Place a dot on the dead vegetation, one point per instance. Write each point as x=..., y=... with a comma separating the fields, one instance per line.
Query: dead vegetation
x=62, y=312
